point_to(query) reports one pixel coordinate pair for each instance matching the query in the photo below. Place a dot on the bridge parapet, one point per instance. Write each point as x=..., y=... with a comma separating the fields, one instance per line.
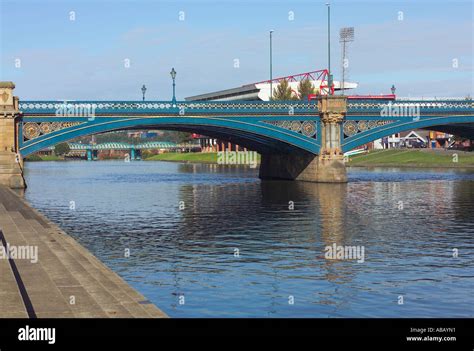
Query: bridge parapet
x=87, y=108
x=130, y=108
x=423, y=105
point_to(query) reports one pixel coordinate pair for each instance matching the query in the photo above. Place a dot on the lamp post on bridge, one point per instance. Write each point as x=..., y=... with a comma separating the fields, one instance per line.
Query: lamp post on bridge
x=173, y=76
x=329, y=49
x=271, y=68
x=143, y=91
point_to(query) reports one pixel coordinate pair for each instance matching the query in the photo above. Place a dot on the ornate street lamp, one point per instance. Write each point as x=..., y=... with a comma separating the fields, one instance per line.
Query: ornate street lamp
x=173, y=76
x=143, y=91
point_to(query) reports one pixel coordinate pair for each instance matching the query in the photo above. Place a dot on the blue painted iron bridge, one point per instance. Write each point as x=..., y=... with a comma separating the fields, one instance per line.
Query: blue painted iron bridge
x=286, y=128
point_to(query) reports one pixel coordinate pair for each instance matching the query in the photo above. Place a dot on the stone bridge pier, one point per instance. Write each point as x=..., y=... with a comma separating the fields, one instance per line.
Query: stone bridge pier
x=328, y=166
x=11, y=163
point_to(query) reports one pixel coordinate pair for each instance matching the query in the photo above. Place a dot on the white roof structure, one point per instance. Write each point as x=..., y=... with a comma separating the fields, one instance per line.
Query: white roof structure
x=264, y=88
x=260, y=91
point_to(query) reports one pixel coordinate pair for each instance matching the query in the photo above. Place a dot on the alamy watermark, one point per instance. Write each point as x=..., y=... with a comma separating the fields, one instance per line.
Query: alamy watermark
x=37, y=334
x=344, y=252
x=401, y=110
x=76, y=110
x=237, y=158
x=19, y=253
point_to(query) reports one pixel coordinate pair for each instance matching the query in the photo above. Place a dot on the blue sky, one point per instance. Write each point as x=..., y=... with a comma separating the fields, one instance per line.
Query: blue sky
x=85, y=58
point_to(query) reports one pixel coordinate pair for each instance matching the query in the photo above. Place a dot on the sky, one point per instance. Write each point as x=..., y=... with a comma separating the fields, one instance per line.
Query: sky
x=106, y=50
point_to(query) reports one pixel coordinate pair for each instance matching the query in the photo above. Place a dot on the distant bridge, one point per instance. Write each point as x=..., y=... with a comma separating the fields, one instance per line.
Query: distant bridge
x=90, y=149
x=148, y=145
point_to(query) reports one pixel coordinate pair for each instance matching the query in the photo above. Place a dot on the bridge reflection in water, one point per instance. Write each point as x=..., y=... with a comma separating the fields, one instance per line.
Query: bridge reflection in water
x=190, y=252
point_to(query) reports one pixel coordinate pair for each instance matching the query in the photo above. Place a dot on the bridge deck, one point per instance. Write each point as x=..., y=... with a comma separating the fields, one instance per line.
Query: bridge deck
x=64, y=269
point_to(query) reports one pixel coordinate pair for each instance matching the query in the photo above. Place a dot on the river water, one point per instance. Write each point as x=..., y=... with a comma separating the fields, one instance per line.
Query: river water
x=215, y=241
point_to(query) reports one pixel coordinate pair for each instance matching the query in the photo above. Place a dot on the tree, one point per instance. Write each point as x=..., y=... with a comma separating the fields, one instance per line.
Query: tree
x=62, y=149
x=177, y=137
x=305, y=88
x=283, y=91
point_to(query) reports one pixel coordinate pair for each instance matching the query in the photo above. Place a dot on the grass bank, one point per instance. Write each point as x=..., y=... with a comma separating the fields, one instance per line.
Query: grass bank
x=35, y=158
x=198, y=157
x=413, y=158
x=191, y=157
x=375, y=158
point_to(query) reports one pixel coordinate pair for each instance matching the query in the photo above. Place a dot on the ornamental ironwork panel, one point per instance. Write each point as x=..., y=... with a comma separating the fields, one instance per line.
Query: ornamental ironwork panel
x=306, y=128
x=351, y=128
x=32, y=130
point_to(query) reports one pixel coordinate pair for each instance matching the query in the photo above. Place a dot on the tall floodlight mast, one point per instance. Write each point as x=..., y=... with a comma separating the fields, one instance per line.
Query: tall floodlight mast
x=346, y=35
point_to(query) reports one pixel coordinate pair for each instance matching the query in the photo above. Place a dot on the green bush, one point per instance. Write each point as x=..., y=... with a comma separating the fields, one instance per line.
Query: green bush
x=62, y=149
x=33, y=157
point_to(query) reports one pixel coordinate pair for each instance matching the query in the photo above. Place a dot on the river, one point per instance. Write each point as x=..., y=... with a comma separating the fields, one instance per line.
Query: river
x=215, y=241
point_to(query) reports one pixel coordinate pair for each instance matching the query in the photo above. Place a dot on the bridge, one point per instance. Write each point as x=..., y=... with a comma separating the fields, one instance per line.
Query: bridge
x=302, y=140
x=132, y=149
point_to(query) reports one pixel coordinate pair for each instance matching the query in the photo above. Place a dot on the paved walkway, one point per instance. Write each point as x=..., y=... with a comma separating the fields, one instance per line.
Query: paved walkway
x=65, y=272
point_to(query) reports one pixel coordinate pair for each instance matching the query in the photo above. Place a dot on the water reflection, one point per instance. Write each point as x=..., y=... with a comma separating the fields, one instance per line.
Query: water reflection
x=190, y=251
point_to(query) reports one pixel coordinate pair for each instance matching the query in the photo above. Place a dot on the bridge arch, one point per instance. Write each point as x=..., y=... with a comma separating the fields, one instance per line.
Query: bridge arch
x=252, y=134
x=442, y=123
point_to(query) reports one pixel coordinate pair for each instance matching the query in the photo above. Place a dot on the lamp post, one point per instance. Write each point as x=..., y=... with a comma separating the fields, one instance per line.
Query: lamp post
x=271, y=68
x=329, y=49
x=173, y=76
x=143, y=91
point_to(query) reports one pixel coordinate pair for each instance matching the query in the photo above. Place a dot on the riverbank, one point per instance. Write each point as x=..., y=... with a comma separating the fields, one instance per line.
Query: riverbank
x=375, y=158
x=38, y=158
x=420, y=158
x=47, y=274
x=191, y=157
